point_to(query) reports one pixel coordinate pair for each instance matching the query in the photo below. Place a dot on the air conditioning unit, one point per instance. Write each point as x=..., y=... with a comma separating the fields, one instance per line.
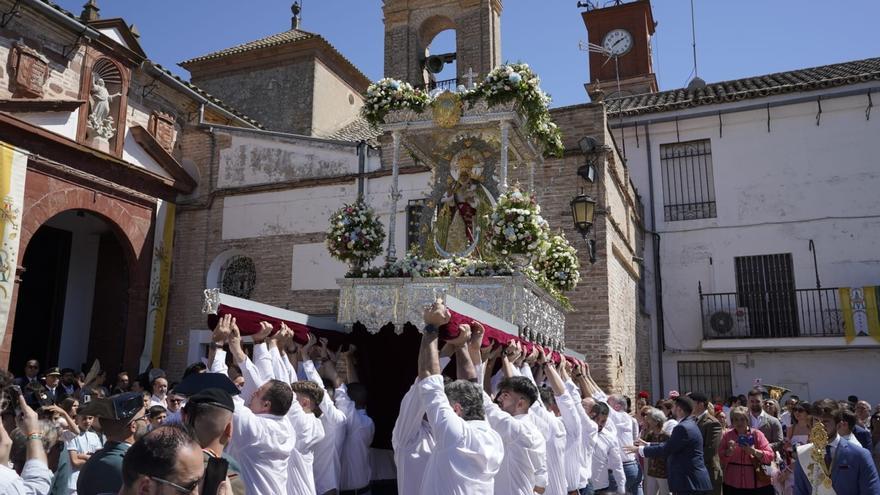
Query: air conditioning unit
x=729, y=322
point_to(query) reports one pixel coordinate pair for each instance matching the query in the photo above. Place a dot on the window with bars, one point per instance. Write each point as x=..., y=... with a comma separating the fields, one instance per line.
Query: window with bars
x=688, y=182
x=709, y=377
x=765, y=286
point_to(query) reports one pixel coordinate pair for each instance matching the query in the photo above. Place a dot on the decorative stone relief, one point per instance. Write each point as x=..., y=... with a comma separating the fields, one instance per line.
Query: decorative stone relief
x=161, y=126
x=30, y=70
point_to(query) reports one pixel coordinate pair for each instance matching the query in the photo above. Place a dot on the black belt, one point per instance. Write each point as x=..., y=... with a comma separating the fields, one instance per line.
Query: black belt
x=359, y=491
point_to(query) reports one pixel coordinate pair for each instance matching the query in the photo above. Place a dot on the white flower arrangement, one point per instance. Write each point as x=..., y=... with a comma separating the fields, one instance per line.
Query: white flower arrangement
x=356, y=235
x=517, y=82
x=390, y=94
x=413, y=265
x=559, y=264
x=505, y=83
x=517, y=225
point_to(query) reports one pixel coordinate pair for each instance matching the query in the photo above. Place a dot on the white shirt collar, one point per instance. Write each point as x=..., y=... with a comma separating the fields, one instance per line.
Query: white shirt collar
x=833, y=444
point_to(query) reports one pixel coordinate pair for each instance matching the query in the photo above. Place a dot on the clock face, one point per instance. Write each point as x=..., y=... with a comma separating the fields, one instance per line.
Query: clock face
x=618, y=42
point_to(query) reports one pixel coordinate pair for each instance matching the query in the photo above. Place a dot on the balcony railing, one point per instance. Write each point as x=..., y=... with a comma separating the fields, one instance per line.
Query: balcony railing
x=772, y=314
x=448, y=84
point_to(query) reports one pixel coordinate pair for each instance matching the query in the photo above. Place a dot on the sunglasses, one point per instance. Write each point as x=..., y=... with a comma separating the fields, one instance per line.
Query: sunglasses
x=192, y=487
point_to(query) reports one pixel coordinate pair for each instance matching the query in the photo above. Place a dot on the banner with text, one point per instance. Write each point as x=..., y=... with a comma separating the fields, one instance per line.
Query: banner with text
x=13, y=170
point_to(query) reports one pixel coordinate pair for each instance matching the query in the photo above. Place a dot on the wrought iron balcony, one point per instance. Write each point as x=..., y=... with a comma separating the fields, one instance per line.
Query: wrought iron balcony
x=772, y=314
x=449, y=84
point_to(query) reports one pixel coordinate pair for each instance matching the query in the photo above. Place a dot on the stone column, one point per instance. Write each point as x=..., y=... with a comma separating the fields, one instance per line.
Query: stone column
x=391, y=256
x=505, y=144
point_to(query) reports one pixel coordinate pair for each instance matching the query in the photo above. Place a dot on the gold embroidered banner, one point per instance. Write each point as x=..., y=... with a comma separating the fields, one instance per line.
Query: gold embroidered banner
x=13, y=170
x=160, y=279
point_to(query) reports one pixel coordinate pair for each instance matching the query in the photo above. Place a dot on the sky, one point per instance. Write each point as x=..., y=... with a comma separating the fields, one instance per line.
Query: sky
x=735, y=39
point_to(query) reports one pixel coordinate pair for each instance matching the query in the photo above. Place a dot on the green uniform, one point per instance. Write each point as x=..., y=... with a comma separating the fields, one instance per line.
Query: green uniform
x=102, y=473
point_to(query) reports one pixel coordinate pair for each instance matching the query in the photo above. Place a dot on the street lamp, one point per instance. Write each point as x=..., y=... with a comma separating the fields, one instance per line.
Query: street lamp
x=583, y=210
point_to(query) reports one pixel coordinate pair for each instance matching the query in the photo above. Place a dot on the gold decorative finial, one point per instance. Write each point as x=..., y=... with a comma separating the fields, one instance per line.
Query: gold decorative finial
x=819, y=439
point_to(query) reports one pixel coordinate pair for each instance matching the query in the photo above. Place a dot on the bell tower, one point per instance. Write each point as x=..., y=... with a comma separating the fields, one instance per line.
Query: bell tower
x=411, y=25
x=624, y=31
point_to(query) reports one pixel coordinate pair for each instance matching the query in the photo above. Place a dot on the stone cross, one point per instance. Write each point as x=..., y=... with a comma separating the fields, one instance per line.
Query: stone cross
x=470, y=77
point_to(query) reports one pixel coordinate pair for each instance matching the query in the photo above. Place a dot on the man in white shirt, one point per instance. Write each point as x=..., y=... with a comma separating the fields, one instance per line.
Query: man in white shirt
x=524, y=468
x=627, y=431
x=262, y=437
x=606, y=455
x=579, y=389
x=355, y=473
x=467, y=453
x=563, y=432
x=327, y=464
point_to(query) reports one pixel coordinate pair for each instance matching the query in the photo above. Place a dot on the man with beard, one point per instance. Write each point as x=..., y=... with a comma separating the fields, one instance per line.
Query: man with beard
x=524, y=467
x=123, y=420
x=760, y=420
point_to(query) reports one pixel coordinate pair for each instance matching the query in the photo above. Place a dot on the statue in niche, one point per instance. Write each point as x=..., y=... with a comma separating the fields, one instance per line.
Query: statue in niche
x=100, y=121
x=462, y=210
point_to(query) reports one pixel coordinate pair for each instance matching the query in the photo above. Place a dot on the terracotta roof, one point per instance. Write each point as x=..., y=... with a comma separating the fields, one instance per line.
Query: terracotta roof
x=291, y=36
x=209, y=97
x=358, y=130
x=826, y=76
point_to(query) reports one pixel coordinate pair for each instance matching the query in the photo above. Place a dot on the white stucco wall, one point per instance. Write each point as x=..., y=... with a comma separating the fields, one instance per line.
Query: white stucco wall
x=267, y=158
x=335, y=103
x=63, y=123
x=314, y=268
x=134, y=154
x=293, y=211
x=774, y=192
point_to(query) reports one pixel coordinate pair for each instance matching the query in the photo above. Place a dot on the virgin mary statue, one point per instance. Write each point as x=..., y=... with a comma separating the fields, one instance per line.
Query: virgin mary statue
x=459, y=219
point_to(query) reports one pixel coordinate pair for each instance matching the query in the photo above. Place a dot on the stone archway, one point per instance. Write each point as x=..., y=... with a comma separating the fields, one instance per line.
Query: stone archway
x=131, y=223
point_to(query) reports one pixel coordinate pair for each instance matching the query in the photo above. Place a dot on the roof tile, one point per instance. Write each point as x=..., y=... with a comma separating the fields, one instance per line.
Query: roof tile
x=750, y=87
x=290, y=36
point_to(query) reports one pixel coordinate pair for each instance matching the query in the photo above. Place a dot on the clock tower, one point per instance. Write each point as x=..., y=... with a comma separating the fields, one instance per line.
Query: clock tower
x=624, y=30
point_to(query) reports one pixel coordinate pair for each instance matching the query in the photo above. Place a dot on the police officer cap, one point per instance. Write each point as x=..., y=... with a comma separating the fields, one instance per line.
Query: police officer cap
x=214, y=397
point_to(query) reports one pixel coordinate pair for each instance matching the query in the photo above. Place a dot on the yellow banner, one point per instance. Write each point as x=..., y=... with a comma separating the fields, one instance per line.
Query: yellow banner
x=160, y=280
x=860, y=312
x=13, y=171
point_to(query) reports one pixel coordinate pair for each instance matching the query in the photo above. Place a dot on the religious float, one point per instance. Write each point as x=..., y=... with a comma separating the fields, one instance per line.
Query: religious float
x=483, y=245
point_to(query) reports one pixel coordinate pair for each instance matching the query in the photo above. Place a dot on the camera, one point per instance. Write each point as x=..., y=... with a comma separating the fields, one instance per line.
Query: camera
x=744, y=440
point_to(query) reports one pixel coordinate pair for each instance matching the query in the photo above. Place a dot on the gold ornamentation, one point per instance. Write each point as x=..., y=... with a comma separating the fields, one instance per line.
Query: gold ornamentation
x=447, y=110
x=819, y=439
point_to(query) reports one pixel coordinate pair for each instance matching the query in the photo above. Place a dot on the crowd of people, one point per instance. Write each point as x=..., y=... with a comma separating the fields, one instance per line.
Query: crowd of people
x=480, y=418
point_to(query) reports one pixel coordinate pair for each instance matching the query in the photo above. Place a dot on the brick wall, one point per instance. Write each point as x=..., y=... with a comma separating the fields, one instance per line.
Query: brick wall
x=279, y=97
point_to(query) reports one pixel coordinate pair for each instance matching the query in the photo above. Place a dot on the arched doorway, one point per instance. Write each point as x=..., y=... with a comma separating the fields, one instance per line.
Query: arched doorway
x=73, y=298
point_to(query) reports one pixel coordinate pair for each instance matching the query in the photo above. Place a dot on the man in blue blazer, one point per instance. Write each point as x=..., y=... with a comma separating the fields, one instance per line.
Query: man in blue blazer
x=851, y=467
x=685, y=468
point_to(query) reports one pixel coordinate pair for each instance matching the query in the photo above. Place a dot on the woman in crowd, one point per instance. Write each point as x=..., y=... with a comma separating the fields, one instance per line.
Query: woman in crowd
x=655, y=468
x=70, y=406
x=721, y=416
x=875, y=436
x=796, y=435
x=744, y=452
x=771, y=407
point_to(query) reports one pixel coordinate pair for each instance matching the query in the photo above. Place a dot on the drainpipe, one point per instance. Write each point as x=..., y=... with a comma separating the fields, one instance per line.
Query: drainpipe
x=658, y=280
x=362, y=150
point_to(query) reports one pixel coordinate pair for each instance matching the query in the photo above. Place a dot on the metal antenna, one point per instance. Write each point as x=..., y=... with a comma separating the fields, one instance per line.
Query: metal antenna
x=694, y=38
